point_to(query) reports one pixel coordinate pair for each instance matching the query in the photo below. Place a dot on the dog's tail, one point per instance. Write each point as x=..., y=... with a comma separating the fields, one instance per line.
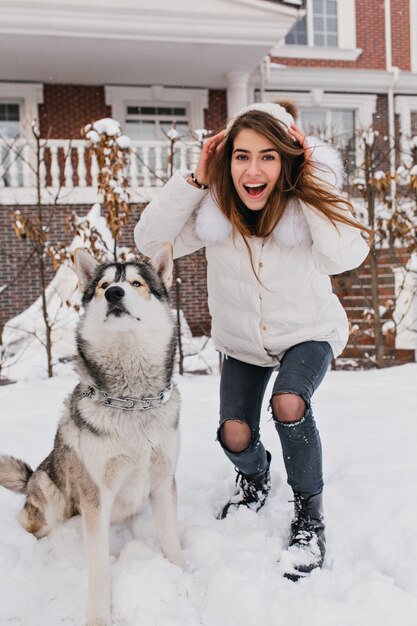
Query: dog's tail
x=14, y=474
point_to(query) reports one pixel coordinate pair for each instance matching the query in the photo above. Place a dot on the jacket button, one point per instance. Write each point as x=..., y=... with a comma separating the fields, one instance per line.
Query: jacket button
x=261, y=264
x=264, y=327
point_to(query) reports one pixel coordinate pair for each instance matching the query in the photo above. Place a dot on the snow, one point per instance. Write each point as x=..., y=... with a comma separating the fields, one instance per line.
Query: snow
x=369, y=433
x=24, y=336
x=123, y=142
x=173, y=134
x=108, y=126
x=387, y=327
x=379, y=175
x=234, y=567
x=368, y=137
x=93, y=136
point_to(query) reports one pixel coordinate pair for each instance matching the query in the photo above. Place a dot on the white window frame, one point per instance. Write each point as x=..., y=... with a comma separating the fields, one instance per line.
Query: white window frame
x=195, y=101
x=28, y=96
x=328, y=114
x=364, y=106
x=346, y=49
x=155, y=118
x=404, y=106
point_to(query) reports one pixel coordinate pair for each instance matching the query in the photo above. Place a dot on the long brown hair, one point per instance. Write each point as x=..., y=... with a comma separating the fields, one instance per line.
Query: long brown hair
x=296, y=179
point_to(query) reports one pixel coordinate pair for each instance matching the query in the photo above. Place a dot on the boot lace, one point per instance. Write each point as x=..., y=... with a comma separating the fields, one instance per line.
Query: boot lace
x=247, y=487
x=302, y=528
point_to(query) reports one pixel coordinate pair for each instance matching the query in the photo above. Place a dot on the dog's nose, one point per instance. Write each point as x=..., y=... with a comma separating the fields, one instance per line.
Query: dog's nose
x=114, y=294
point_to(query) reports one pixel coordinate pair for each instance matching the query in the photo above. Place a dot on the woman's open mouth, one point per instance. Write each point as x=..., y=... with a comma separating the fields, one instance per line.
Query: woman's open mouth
x=255, y=190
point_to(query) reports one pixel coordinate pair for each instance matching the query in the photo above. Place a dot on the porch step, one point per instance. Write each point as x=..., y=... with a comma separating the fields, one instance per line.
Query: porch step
x=393, y=355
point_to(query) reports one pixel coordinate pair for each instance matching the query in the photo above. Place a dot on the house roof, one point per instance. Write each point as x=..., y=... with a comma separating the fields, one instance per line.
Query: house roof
x=138, y=41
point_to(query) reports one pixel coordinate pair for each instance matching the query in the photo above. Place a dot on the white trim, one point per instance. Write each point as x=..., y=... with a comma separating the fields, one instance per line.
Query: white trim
x=194, y=100
x=254, y=22
x=336, y=79
x=346, y=49
x=28, y=95
x=275, y=8
x=404, y=105
x=346, y=24
x=316, y=52
x=413, y=34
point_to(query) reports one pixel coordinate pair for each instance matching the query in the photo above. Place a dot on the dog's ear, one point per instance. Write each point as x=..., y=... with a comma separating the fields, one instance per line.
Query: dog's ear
x=163, y=262
x=85, y=266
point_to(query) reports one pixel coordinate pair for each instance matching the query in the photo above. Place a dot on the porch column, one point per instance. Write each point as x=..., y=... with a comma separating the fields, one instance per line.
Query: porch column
x=237, y=91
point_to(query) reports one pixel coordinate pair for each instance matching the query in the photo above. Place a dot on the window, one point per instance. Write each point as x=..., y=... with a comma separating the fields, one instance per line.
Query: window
x=153, y=122
x=298, y=34
x=9, y=130
x=406, y=109
x=9, y=120
x=318, y=27
x=337, y=126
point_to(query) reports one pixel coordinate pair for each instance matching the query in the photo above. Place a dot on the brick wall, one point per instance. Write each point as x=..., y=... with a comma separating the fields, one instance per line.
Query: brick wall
x=68, y=108
x=400, y=27
x=25, y=288
x=216, y=114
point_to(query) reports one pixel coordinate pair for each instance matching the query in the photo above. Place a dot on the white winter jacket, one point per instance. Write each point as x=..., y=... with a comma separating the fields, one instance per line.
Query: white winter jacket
x=253, y=321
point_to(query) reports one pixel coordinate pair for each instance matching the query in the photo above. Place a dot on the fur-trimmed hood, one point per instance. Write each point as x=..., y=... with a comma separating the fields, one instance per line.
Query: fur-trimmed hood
x=212, y=226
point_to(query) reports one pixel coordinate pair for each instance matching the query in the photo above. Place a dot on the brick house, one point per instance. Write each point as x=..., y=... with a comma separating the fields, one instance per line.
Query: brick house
x=347, y=63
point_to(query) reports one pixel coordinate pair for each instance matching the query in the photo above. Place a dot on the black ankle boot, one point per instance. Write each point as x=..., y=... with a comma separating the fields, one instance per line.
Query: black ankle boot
x=307, y=545
x=251, y=491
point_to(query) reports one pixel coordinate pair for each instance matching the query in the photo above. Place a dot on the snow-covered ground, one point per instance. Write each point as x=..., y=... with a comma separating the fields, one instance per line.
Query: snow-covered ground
x=368, y=423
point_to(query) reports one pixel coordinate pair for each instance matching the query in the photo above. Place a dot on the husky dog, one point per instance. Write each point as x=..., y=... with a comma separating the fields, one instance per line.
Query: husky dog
x=117, y=442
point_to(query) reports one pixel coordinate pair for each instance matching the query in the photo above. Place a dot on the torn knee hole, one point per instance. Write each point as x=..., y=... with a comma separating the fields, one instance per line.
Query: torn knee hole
x=235, y=435
x=288, y=408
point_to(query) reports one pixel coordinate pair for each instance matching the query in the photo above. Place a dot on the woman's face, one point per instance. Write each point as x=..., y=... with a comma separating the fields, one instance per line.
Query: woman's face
x=255, y=168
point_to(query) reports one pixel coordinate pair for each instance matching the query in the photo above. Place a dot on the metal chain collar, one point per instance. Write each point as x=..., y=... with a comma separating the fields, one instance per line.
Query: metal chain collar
x=130, y=404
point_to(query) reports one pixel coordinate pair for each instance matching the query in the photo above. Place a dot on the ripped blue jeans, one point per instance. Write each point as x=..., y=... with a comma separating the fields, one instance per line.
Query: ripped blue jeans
x=242, y=388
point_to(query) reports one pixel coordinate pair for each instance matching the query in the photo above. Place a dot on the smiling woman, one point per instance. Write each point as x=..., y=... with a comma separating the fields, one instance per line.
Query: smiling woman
x=255, y=168
x=275, y=226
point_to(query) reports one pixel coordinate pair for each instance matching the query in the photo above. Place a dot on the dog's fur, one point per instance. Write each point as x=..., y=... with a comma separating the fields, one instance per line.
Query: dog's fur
x=106, y=461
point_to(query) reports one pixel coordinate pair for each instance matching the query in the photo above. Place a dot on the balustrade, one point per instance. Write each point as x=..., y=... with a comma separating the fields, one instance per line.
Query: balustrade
x=69, y=165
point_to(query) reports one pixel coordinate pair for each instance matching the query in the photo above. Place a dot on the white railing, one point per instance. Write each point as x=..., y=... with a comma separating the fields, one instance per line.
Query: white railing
x=69, y=170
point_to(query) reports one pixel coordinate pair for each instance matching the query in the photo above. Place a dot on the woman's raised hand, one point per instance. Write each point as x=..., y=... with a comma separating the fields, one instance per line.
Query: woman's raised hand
x=299, y=136
x=207, y=152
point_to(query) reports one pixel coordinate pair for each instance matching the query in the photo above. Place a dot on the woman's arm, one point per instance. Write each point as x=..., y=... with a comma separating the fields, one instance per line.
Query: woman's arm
x=168, y=217
x=336, y=247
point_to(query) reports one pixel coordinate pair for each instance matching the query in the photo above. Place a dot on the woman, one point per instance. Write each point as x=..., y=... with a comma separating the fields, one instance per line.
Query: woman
x=268, y=210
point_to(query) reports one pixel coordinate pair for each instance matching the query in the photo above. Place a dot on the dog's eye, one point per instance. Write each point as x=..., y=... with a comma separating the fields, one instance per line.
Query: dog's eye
x=104, y=285
x=136, y=283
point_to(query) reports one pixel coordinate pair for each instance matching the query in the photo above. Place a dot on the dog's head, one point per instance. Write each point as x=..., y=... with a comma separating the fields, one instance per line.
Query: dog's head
x=129, y=297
